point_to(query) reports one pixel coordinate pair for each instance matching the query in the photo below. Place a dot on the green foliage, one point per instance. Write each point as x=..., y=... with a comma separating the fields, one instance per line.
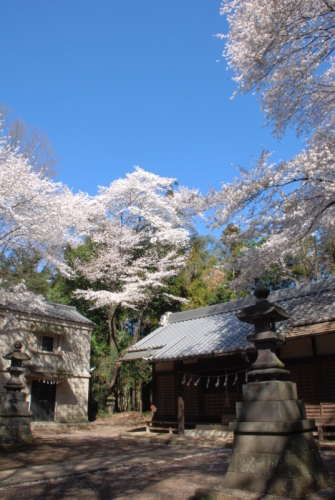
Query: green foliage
x=314, y=261
x=104, y=362
x=191, y=282
x=131, y=373
x=207, y=279
x=225, y=292
x=25, y=264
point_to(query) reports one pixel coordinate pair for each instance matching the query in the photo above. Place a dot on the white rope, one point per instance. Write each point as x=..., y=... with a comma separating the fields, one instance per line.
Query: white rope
x=208, y=379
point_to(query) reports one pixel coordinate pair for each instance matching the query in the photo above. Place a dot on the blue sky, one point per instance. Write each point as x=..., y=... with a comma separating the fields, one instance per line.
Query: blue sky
x=118, y=83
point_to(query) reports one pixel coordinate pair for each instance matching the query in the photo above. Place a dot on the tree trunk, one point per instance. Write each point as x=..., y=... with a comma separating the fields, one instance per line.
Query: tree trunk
x=112, y=327
x=115, y=374
x=139, y=401
x=137, y=331
x=113, y=342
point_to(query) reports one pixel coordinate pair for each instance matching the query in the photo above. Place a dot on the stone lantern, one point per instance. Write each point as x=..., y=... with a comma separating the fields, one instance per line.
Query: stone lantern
x=16, y=369
x=274, y=450
x=14, y=414
x=110, y=404
x=264, y=315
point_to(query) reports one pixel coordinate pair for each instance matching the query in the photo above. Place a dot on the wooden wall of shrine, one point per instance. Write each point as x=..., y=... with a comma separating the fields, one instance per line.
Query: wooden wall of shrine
x=201, y=383
x=311, y=361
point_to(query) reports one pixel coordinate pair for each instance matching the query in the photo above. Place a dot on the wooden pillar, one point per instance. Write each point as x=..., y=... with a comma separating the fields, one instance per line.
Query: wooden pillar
x=180, y=403
x=154, y=386
x=181, y=417
x=220, y=402
x=316, y=361
x=201, y=398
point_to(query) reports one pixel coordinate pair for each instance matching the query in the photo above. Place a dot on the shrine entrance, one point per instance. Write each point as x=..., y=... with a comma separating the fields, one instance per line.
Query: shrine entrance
x=43, y=398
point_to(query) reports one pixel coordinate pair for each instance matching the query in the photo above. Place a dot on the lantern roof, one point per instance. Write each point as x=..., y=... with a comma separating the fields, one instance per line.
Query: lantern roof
x=262, y=309
x=17, y=354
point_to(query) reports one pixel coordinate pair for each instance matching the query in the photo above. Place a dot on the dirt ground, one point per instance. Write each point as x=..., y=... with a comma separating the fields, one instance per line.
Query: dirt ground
x=71, y=444
x=175, y=479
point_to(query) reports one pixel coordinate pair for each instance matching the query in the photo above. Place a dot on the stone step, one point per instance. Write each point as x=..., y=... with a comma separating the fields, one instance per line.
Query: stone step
x=56, y=426
x=209, y=433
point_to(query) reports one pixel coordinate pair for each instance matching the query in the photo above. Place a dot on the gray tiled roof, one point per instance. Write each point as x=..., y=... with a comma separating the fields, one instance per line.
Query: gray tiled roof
x=144, y=354
x=216, y=329
x=11, y=302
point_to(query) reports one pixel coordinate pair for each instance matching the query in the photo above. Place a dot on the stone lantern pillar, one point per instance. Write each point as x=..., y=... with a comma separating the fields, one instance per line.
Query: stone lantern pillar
x=110, y=404
x=274, y=450
x=14, y=414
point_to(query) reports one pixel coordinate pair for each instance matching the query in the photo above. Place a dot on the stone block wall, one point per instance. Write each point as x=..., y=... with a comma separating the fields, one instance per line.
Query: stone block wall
x=69, y=362
x=72, y=400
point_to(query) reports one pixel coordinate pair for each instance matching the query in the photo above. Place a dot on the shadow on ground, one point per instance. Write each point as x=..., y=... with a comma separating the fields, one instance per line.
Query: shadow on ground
x=69, y=450
x=174, y=479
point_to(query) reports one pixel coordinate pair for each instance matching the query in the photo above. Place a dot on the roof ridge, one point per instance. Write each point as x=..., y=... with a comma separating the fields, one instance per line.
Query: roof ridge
x=203, y=312
x=235, y=305
x=305, y=289
x=61, y=306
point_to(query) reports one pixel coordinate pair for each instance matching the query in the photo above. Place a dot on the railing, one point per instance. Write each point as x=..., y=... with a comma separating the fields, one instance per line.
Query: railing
x=324, y=416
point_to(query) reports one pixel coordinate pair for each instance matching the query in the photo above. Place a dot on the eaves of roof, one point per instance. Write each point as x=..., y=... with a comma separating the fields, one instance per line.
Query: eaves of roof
x=49, y=311
x=316, y=329
x=143, y=354
x=215, y=330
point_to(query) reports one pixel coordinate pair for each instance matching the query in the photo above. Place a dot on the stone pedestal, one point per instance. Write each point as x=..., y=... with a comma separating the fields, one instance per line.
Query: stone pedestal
x=274, y=450
x=14, y=418
x=14, y=414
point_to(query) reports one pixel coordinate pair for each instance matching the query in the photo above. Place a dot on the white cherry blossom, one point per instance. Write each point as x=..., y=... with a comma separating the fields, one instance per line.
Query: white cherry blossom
x=283, y=50
x=284, y=202
x=37, y=212
x=141, y=233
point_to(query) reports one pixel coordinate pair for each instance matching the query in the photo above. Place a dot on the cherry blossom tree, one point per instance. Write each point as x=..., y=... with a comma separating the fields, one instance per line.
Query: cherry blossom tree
x=142, y=230
x=29, y=141
x=37, y=212
x=283, y=51
x=284, y=202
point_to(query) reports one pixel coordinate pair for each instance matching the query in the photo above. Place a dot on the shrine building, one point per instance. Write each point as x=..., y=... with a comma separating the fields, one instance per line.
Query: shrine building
x=202, y=355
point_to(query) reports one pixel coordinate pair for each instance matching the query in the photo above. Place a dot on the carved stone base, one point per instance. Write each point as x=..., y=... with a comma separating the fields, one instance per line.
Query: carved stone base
x=274, y=450
x=14, y=418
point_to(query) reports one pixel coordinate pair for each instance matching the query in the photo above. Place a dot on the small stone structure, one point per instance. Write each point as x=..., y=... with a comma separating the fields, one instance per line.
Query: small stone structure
x=274, y=450
x=110, y=404
x=14, y=414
